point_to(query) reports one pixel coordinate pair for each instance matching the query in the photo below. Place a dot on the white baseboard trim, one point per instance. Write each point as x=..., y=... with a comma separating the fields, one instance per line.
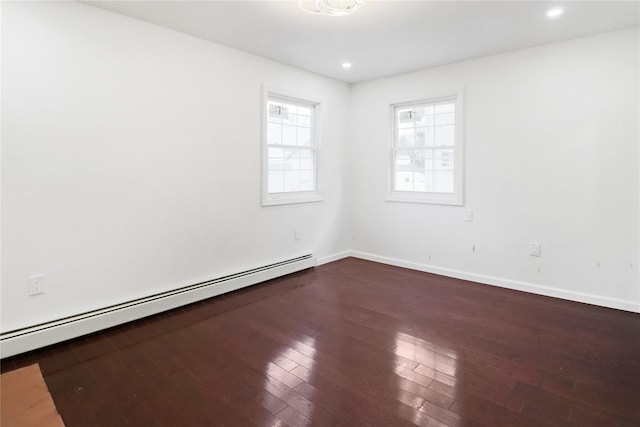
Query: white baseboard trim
x=31, y=338
x=505, y=283
x=334, y=257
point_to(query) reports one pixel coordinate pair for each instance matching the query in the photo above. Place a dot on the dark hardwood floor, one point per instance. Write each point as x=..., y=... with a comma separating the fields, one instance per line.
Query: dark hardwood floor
x=354, y=343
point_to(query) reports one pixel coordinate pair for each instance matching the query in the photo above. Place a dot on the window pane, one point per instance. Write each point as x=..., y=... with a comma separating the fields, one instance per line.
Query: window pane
x=418, y=116
x=275, y=160
x=304, y=121
x=276, y=164
x=424, y=170
x=276, y=182
x=445, y=108
x=419, y=160
x=419, y=181
x=430, y=136
x=292, y=180
x=304, y=136
x=274, y=111
x=428, y=179
x=404, y=160
x=304, y=111
x=445, y=135
x=290, y=147
x=289, y=135
x=274, y=133
x=445, y=119
x=443, y=160
x=290, y=114
x=306, y=181
x=424, y=137
x=292, y=159
x=443, y=182
x=424, y=150
x=404, y=181
x=306, y=163
x=428, y=160
x=406, y=137
x=285, y=114
x=428, y=120
x=276, y=153
x=404, y=119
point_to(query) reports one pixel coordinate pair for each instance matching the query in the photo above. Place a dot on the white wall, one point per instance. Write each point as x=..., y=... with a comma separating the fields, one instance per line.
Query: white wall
x=131, y=161
x=551, y=156
x=131, y=165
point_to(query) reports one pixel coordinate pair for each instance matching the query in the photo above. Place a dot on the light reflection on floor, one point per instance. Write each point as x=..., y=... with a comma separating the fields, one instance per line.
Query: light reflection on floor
x=418, y=362
x=283, y=370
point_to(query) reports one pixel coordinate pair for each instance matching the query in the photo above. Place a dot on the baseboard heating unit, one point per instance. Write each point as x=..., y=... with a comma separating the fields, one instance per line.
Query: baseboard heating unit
x=37, y=336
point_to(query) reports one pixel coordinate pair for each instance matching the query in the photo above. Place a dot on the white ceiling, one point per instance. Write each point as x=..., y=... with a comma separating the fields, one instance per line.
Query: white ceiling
x=383, y=37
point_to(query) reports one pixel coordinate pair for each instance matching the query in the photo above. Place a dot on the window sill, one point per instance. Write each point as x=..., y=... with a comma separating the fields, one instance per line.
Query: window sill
x=290, y=199
x=426, y=198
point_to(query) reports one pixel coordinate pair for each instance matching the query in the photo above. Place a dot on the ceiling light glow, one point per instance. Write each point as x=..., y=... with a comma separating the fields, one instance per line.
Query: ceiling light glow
x=554, y=12
x=331, y=7
x=346, y=65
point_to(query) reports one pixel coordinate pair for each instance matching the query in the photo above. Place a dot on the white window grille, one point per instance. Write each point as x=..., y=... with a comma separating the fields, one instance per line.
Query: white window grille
x=290, y=150
x=427, y=151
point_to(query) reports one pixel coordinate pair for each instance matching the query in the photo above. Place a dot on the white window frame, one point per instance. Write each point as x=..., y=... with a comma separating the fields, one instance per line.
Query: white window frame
x=457, y=197
x=290, y=197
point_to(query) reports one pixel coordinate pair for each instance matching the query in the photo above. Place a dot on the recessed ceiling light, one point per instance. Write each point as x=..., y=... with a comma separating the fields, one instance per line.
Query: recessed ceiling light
x=554, y=12
x=346, y=65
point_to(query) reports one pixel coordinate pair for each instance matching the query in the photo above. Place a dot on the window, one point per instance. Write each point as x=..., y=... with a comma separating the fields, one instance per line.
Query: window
x=290, y=153
x=426, y=151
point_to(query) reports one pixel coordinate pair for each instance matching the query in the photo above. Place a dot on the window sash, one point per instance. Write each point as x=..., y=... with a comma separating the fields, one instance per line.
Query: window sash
x=426, y=151
x=290, y=150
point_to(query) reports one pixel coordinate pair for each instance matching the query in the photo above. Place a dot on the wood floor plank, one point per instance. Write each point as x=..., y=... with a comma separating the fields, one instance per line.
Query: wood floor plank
x=355, y=343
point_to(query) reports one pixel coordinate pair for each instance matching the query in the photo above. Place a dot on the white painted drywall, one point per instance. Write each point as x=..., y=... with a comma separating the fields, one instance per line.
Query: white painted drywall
x=131, y=165
x=131, y=161
x=551, y=138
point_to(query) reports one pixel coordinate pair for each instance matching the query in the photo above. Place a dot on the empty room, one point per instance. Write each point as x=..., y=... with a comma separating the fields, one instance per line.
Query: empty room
x=320, y=213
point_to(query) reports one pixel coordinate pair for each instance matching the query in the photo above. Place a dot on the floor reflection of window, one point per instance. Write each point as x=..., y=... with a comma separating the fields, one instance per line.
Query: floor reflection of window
x=418, y=365
x=286, y=375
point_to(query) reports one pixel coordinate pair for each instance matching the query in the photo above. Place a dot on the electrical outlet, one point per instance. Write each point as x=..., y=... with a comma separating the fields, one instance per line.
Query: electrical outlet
x=36, y=284
x=534, y=248
x=468, y=216
x=296, y=234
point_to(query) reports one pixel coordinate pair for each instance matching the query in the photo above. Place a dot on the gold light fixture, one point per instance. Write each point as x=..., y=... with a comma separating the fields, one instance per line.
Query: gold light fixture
x=331, y=7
